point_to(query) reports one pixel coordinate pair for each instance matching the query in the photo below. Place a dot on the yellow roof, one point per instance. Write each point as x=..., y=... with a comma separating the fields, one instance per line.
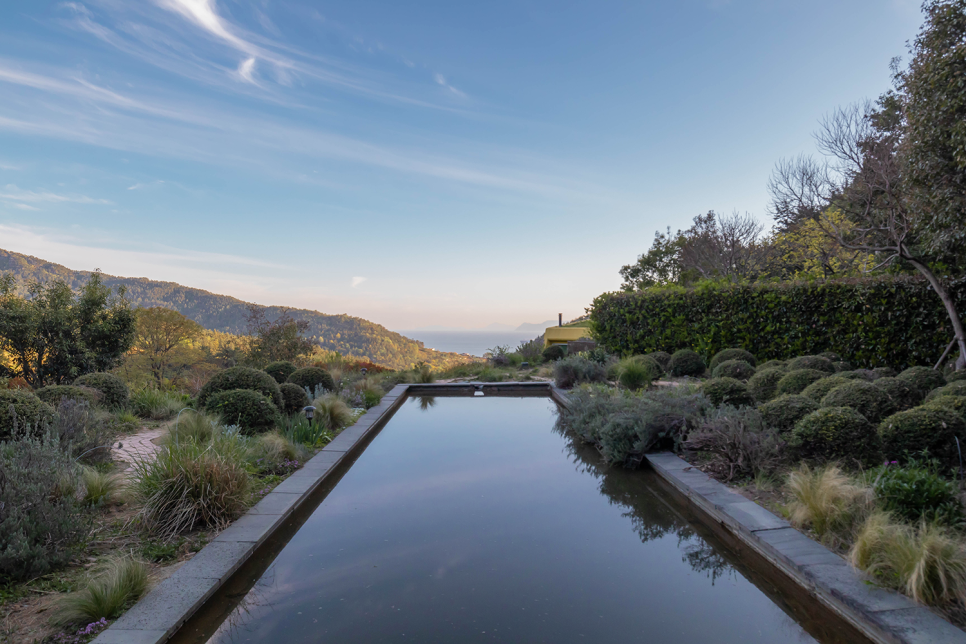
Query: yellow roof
x=561, y=334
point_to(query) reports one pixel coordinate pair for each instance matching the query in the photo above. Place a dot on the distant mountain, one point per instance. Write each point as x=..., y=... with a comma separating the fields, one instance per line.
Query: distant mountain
x=348, y=335
x=496, y=326
x=536, y=328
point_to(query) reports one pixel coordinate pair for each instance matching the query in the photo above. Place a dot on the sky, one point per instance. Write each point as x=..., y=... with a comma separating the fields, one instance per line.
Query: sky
x=412, y=163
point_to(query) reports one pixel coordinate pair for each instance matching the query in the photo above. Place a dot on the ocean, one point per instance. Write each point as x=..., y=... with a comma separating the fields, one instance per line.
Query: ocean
x=475, y=343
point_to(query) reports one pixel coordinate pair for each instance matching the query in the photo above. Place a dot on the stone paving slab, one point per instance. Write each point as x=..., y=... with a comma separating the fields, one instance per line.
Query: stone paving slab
x=167, y=607
x=252, y=528
x=217, y=560
x=278, y=503
x=120, y=636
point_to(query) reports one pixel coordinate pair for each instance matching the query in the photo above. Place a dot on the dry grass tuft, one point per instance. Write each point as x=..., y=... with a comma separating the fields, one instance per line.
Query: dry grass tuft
x=826, y=501
x=107, y=595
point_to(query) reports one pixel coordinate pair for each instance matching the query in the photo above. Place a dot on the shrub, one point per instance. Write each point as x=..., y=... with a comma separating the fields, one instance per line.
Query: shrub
x=923, y=379
x=732, y=354
x=955, y=404
x=915, y=494
x=859, y=374
x=863, y=397
x=637, y=372
x=885, y=372
x=248, y=409
x=598, y=355
x=824, y=500
x=107, y=595
x=903, y=394
x=727, y=391
x=554, y=352
x=686, y=363
x=773, y=364
x=737, y=369
x=738, y=444
x=53, y=394
x=280, y=370
x=816, y=363
x=28, y=409
x=245, y=378
x=41, y=525
x=371, y=396
x=817, y=390
x=113, y=390
x=574, y=370
x=157, y=404
x=191, y=484
x=782, y=413
x=841, y=366
x=795, y=382
x=951, y=389
x=764, y=384
x=332, y=412
x=663, y=358
x=908, y=433
x=532, y=350
x=956, y=376
x=832, y=433
x=85, y=432
x=294, y=397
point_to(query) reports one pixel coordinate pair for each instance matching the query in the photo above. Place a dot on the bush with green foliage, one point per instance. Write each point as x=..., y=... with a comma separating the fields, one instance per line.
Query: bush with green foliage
x=923, y=379
x=863, y=397
x=114, y=391
x=85, y=432
x=951, y=389
x=830, y=355
x=817, y=390
x=248, y=409
x=816, y=363
x=637, y=372
x=686, y=362
x=243, y=378
x=783, y=412
x=903, y=394
x=554, y=352
x=907, y=434
x=27, y=409
x=732, y=354
x=598, y=355
x=781, y=365
x=764, y=384
x=312, y=377
x=280, y=370
x=956, y=376
x=41, y=525
x=885, y=372
x=737, y=443
x=956, y=404
x=737, y=369
x=859, y=374
x=795, y=382
x=663, y=358
x=575, y=370
x=656, y=368
x=727, y=391
x=841, y=366
x=53, y=394
x=836, y=433
x=294, y=396
x=916, y=494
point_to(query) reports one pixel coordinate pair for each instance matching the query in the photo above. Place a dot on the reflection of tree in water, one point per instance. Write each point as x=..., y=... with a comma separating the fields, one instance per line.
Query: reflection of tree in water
x=425, y=402
x=650, y=517
x=248, y=609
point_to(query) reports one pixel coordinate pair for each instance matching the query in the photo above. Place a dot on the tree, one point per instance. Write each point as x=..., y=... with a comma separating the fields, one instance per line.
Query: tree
x=163, y=339
x=724, y=247
x=280, y=339
x=661, y=265
x=54, y=335
x=805, y=250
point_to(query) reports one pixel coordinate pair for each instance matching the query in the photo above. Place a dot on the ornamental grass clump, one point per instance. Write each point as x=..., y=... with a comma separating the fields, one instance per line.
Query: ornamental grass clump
x=686, y=362
x=332, y=412
x=638, y=372
x=863, y=397
x=99, y=487
x=124, y=581
x=816, y=363
x=923, y=379
x=764, y=384
x=836, y=433
x=737, y=369
x=737, y=444
x=783, y=412
x=156, y=404
x=907, y=434
x=817, y=390
x=727, y=391
x=732, y=354
x=827, y=502
x=575, y=370
x=275, y=453
x=193, y=425
x=114, y=391
x=902, y=393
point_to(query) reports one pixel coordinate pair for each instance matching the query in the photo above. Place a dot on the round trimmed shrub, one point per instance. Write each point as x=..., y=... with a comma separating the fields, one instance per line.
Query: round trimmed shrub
x=732, y=354
x=830, y=355
x=832, y=433
x=930, y=427
x=312, y=377
x=686, y=363
x=737, y=369
x=951, y=389
x=783, y=412
x=656, y=368
x=841, y=365
x=774, y=364
x=956, y=376
x=251, y=410
x=114, y=391
x=53, y=394
x=817, y=363
x=280, y=370
x=863, y=397
x=28, y=408
x=554, y=352
x=764, y=384
x=294, y=398
x=727, y=391
x=923, y=378
x=242, y=378
x=956, y=404
x=663, y=358
x=817, y=390
x=576, y=369
x=859, y=374
x=794, y=382
x=903, y=394
x=885, y=372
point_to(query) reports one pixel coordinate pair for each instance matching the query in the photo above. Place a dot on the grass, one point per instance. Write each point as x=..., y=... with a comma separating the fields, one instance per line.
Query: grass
x=194, y=425
x=275, y=453
x=156, y=404
x=825, y=500
x=332, y=412
x=99, y=487
x=107, y=595
x=633, y=374
x=298, y=429
x=424, y=374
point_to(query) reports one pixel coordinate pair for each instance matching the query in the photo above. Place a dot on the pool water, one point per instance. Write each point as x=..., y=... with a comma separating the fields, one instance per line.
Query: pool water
x=477, y=520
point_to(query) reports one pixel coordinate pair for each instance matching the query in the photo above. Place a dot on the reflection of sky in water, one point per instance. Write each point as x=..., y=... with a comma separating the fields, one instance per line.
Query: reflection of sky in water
x=471, y=520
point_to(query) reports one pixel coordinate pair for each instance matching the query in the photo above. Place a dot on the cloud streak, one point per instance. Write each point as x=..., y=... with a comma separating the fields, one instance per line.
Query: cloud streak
x=11, y=192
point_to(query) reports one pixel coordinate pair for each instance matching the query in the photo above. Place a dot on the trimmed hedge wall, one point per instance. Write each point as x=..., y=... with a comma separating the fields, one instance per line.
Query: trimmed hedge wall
x=872, y=322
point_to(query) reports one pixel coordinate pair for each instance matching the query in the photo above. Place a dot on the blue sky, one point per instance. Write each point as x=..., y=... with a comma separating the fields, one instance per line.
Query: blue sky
x=413, y=163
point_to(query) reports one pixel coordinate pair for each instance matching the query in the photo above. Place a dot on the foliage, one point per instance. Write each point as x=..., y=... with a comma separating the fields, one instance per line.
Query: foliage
x=531, y=350
x=41, y=525
x=312, y=377
x=332, y=411
x=933, y=429
x=280, y=370
x=53, y=394
x=600, y=356
x=795, y=382
x=423, y=373
x=732, y=354
x=54, y=335
x=663, y=358
x=248, y=409
x=863, y=397
x=19, y=408
x=955, y=404
x=99, y=487
x=114, y=391
x=818, y=389
x=685, y=362
x=885, y=372
x=875, y=321
x=923, y=379
x=194, y=426
x=824, y=500
x=299, y=429
x=816, y=363
x=808, y=252
x=781, y=365
x=951, y=389
x=832, y=433
x=294, y=397
x=554, y=352
x=106, y=596
x=764, y=384
x=841, y=366
x=275, y=453
x=858, y=374
x=246, y=378
x=156, y=404
x=85, y=432
x=727, y=391
x=637, y=372
x=903, y=394
x=738, y=444
x=575, y=370
x=737, y=369
x=280, y=338
x=162, y=340
x=660, y=265
x=783, y=412
x=915, y=494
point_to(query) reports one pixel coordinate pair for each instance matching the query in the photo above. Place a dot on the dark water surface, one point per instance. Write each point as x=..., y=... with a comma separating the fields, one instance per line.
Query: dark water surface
x=474, y=520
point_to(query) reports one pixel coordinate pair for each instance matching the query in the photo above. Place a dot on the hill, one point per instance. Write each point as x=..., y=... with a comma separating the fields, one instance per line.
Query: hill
x=345, y=334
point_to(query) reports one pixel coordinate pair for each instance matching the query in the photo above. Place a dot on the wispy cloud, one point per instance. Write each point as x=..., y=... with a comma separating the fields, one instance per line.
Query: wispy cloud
x=12, y=193
x=441, y=80
x=356, y=281
x=23, y=206
x=246, y=69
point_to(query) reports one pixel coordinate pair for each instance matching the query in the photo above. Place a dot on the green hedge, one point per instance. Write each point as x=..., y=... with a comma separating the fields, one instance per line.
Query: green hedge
x=871, y=322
